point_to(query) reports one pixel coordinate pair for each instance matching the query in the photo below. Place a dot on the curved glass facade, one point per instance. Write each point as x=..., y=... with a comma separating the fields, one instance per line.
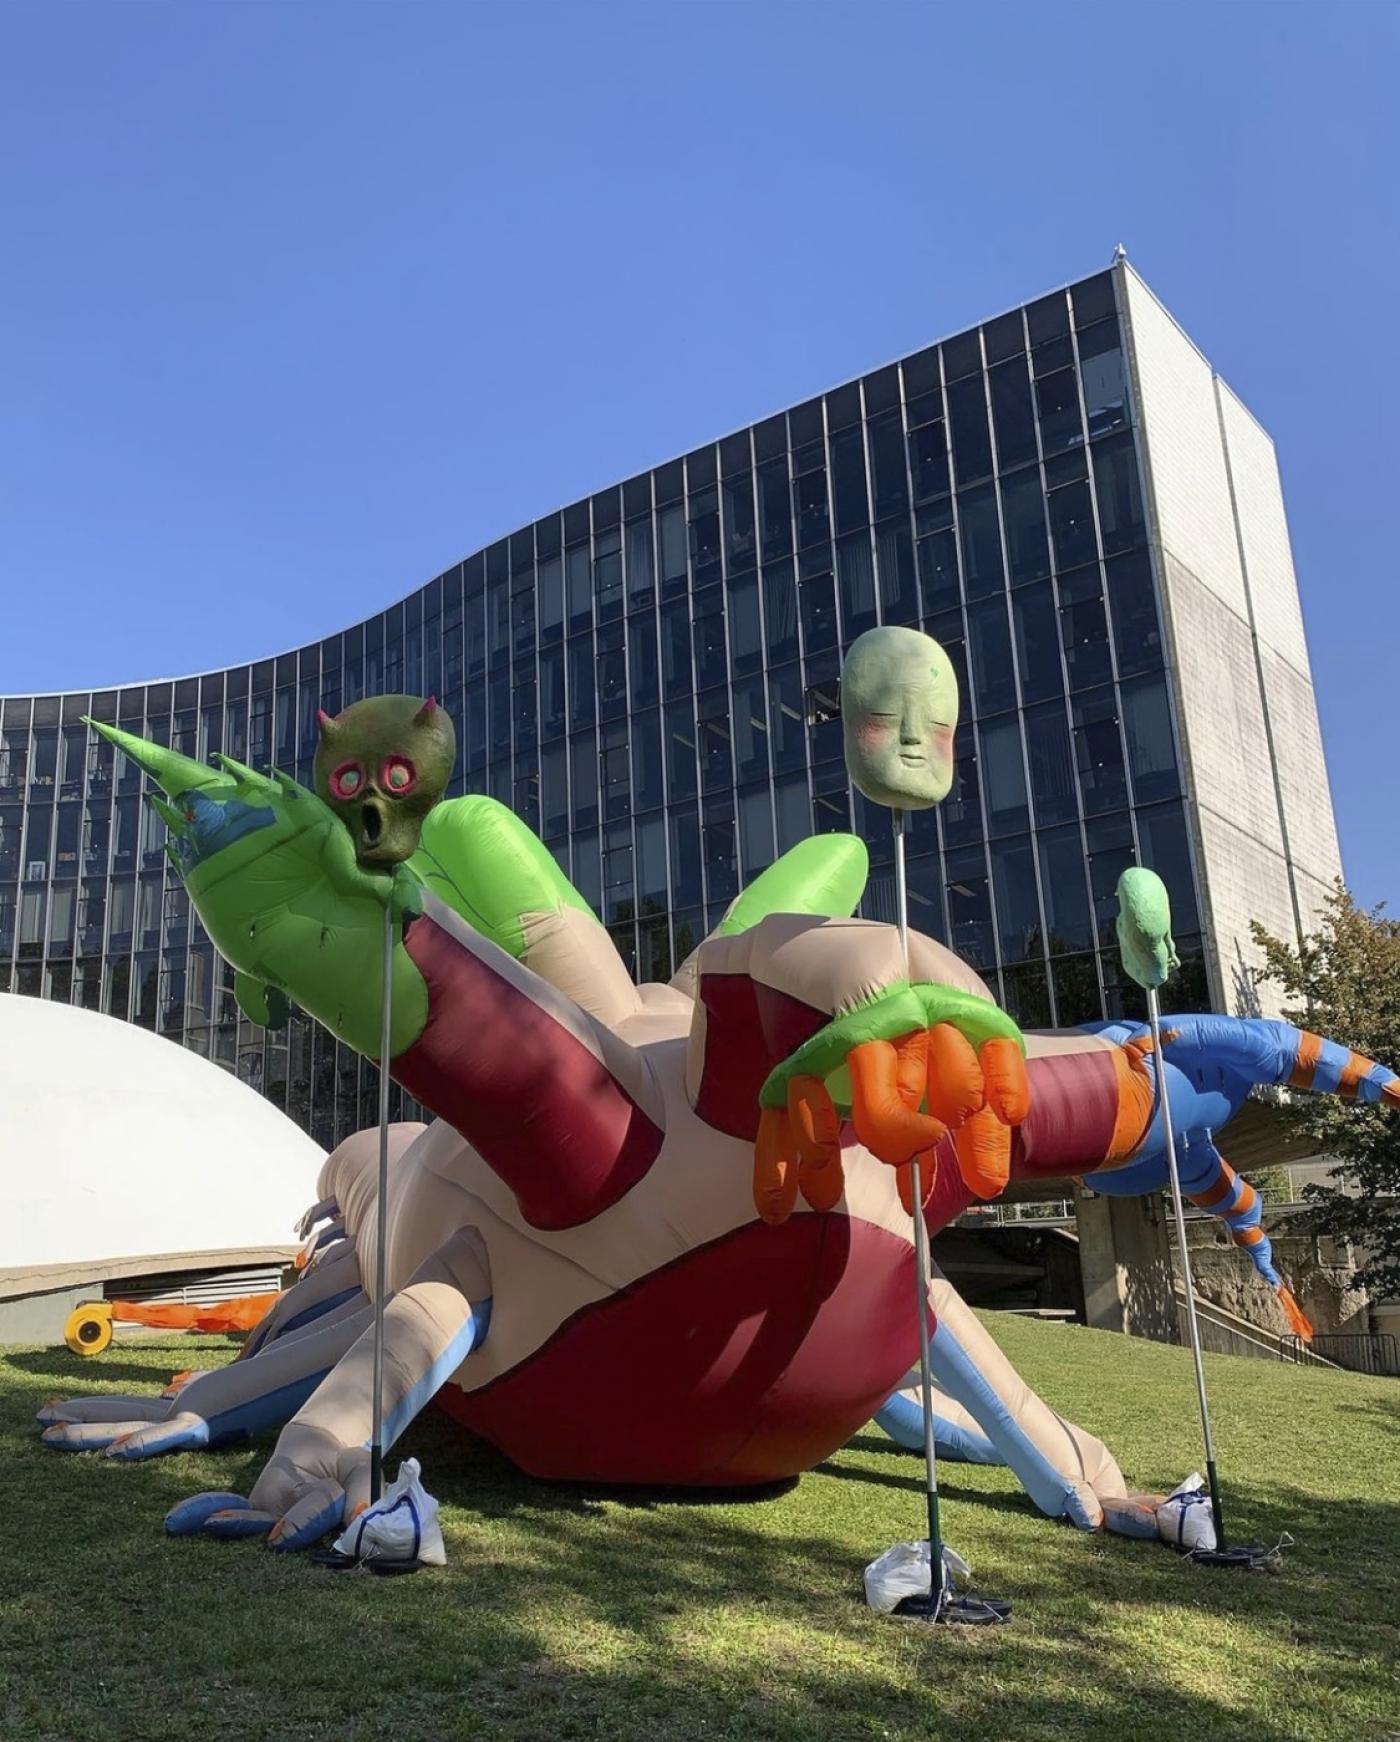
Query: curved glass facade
x=648, y=678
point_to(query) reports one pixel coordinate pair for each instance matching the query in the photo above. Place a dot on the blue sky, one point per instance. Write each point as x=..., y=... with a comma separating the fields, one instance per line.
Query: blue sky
x=303, y=302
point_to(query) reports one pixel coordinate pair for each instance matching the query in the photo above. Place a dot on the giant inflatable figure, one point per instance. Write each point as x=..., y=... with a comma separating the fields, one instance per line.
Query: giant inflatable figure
x=654, y=1233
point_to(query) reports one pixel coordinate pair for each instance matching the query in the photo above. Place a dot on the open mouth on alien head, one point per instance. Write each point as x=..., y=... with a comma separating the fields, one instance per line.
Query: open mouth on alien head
x=371, y=825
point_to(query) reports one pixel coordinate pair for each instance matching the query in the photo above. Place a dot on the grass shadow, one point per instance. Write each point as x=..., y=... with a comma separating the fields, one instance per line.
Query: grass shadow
x=579, y=1612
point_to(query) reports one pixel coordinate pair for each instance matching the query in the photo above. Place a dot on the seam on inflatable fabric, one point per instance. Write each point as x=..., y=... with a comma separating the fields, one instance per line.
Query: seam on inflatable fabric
x=471, y=1335
x=310, y=1314
x=777, y=1383
x=946, y=1348
x=227, y=1421
x=620, y=1294
x=780, y=1379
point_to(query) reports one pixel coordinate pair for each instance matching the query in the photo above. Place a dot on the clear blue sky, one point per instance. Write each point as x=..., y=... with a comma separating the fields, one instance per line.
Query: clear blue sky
x=302, y=302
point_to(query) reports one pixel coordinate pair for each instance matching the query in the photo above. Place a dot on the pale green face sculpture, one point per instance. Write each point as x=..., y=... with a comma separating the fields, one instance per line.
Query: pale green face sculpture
x=899, y=707
x=1145, y=927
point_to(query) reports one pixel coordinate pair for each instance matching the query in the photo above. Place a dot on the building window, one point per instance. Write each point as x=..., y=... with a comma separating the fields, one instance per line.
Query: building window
x=1121, y=518
x=1019, y=933
x=1101, y=370
x=969, y=907
x=981, y=541
x=1068, y=924
x=1057, y=396
x=1147, y=726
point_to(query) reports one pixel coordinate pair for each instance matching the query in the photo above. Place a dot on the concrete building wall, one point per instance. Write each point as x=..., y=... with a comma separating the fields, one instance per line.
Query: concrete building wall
x=1286, y=675
x=1260, y=802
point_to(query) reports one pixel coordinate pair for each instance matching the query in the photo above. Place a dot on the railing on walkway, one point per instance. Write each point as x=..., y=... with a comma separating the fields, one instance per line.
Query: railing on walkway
x=1358, y=1352
x=1224, y=1332
x=1056, y=1211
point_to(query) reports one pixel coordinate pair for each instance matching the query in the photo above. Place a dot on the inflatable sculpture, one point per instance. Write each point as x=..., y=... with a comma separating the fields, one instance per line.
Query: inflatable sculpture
x=654, y=1233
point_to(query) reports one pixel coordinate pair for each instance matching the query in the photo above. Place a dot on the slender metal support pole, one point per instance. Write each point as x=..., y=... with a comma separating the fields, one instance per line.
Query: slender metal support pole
x=381, y=1228
x=1154, y=1015
x=921, y=1267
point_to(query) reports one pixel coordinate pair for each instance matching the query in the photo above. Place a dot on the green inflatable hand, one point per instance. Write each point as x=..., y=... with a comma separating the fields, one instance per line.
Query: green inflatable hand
x=272, y=873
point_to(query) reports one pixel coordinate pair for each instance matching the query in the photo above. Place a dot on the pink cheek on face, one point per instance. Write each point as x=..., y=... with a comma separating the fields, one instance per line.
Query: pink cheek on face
x=872, y=735
x=943, y=741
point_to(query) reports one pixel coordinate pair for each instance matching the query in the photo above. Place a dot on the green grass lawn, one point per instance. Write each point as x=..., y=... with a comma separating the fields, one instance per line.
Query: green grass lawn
x=564, y=1613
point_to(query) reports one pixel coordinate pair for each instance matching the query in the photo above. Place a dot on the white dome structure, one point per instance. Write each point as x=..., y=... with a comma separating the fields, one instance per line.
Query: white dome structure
x=122, y=1154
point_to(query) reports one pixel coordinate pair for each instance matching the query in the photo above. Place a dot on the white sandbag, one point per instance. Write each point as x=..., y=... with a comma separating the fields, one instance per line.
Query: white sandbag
x=903, y=1571
x=403, y=1526
x=1184, y=1518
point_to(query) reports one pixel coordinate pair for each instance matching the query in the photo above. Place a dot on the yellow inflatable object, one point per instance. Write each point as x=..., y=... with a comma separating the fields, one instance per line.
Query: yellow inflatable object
x=88, y=1329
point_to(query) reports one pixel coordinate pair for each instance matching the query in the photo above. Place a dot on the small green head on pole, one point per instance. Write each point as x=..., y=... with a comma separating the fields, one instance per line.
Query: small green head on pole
x=1145, y=927
x=899, y=709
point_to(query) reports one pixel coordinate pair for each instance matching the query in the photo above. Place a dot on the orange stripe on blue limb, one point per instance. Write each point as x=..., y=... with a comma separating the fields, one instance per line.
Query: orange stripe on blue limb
x=1237, y=1204
x=1332, y=1069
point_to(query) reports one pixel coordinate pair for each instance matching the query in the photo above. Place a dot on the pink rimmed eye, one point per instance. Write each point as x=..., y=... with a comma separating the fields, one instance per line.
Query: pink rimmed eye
x=347, y=780
x=399, y=776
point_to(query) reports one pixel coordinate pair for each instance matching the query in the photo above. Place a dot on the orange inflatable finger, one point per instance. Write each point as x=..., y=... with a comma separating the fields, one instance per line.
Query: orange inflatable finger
x=983, y=1147
x=816, y=1124
x=885, y=1079
x=774, y=1167
x=955, y=1079
x=1008, y=1082
x=816, y=1129
x=911, y=1068
x=821, y=1182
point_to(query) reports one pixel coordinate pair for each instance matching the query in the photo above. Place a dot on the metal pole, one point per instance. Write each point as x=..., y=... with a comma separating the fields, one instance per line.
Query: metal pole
x=1154, y=1015
x=921, y=1267
x=381, y=1231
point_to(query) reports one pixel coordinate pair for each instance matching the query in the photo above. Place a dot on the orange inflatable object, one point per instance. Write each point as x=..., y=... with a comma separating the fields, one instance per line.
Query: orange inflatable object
x=229, y=1315
x=89, y=1327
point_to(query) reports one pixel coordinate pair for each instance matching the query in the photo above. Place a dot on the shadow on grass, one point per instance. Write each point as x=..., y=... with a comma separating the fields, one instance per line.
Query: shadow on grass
x=87, y=1376
x=584, y=1612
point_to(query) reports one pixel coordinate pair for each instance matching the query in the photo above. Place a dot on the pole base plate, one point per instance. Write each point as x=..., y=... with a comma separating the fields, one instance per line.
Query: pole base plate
x=1248, y=1558
x=335, y=1562
x=957, y=1609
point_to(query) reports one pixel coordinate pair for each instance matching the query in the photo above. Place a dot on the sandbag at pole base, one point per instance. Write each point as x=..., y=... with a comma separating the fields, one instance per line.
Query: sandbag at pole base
x=900, y=1583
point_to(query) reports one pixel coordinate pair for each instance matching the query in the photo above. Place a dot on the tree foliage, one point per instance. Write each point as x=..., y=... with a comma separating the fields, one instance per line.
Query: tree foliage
x=1344, y=983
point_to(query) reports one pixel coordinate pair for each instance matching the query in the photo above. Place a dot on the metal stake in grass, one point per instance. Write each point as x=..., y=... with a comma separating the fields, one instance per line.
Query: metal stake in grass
x=937, y=1577
x=1149, y=955
x=941, y=1605
x=381, y=1230
x=899, y=709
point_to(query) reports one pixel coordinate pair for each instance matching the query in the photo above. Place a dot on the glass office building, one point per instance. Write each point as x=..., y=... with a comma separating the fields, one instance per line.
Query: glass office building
x=649, y=678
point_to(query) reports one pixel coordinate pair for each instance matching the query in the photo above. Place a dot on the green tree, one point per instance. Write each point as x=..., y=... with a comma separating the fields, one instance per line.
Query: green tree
x=1344, y=983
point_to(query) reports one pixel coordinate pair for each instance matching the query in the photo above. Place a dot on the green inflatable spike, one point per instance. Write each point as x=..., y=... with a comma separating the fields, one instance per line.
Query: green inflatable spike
x=239, y=770
x=172, y=818
x=175, y=773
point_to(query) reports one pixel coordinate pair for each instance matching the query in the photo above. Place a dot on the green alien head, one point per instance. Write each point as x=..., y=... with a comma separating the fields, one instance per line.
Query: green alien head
x=899, y=708
x=381, y=766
